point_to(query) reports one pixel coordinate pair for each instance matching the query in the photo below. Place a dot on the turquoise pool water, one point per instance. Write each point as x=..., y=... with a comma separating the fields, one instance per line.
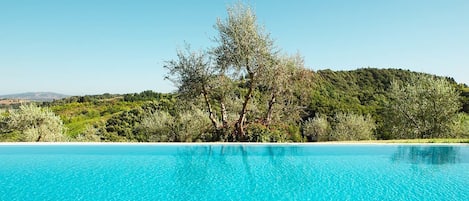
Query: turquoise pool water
x=234, y=172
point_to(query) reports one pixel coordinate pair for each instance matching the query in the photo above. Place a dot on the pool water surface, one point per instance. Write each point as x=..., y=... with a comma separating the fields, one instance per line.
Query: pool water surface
x=234, y=172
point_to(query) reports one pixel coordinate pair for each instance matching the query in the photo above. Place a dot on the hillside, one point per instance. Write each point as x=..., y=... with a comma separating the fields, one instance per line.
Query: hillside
x=362, y=90
x=34, y=96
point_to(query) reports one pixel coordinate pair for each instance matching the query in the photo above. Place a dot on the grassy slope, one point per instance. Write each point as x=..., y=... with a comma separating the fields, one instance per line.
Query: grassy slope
x=77, y=116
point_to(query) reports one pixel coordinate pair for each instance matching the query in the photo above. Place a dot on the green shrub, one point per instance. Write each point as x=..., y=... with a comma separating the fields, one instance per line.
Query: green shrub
x=257, y=132
x=158, y=126
x=90, y=134
x=317, y=129
x=352, y=127
x=37, y=124
x=423, y=107
x=460, y=126
x=296, y=136
x=193, y=125
x=4, y=122
x=188, y=126
x=15, y=136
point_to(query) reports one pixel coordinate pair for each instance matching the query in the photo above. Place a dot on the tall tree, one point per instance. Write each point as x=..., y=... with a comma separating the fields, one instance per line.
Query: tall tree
x=243, y=50
x=423, y=107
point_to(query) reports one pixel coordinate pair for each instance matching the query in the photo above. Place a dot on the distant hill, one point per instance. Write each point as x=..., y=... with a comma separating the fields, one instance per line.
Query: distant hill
x=35, y=96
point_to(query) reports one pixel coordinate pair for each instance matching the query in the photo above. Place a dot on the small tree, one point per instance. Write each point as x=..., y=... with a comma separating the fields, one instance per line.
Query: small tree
x=353, y=127
x=317, y=128
x=37, y=124
x=424, y=107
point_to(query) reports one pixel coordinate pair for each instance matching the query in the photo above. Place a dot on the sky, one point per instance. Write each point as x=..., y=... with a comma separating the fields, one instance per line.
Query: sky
x=120, y=46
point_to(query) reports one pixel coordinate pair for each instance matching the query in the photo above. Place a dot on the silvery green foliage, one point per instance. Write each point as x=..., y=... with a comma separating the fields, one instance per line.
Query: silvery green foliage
x=90, y=134
x=244, y=50
x=188, y=126
x=317, y=128
x=423, y=107
x=37, y=124
x=158, y=126
x=245, y=55
x=191, y=72
x=3, y=121
x=193, y=125
x=349, y=126
x=281, y=92
x=196, y=77
x=244, y=47
x=460, y=126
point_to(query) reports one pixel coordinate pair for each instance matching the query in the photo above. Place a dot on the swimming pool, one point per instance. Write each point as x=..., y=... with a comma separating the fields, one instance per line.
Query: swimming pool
x=234, y=172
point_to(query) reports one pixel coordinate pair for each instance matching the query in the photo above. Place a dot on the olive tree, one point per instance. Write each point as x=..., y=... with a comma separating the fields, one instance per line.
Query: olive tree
x=37, y=124
x=350, y=126
x=317, y=128
x=423, y=107
x=244, y=49
x=242, y=75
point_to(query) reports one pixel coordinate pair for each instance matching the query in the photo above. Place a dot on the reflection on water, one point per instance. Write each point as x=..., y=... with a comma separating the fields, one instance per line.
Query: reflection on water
x=432, y=155
x=205, y=168
x=230, y=150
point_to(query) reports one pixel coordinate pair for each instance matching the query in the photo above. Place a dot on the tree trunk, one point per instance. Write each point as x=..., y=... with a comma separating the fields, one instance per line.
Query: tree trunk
x=224, y=117
x=242, y=113
x=270, y=109
x=209, y=107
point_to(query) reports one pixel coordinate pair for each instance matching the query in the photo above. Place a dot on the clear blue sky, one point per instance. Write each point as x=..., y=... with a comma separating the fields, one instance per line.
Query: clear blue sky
x=79, y=47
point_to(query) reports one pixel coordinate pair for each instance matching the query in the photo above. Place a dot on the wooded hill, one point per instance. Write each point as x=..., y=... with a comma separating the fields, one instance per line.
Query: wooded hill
x=362, y=90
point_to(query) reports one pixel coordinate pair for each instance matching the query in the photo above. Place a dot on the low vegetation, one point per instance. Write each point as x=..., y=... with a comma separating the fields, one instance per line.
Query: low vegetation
x=32, y=123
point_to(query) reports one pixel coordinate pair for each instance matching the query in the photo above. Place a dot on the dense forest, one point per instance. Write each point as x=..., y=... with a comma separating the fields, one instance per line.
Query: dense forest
x=245, y=89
